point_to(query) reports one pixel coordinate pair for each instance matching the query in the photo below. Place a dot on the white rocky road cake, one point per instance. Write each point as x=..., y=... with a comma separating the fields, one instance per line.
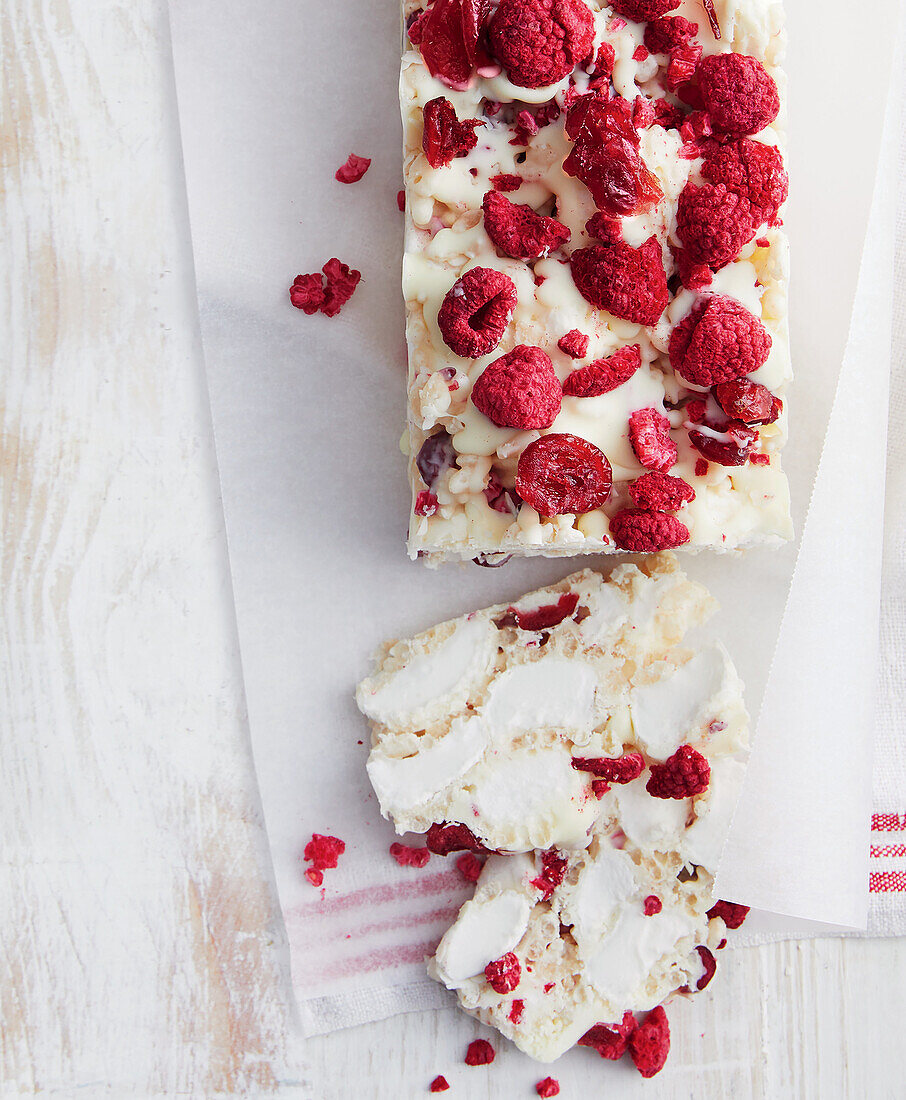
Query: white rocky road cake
x=595, y=276
x=579, y=737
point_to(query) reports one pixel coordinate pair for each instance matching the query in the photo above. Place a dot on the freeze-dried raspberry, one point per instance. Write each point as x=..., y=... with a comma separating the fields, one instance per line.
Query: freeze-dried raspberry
x=604, y=227
x=480, y=1053
x=444, y=136
x=713, y=224
x=307, y=293
x=439, y=1084
x=682, y=66
x=738, y=93
x=748, y=401
x=340, y=283
x=653, y=905
x=322, y=852
x=435, y=456
x=476, y=311
x=562, y=474
x=640, y=11
x=644, y=532
x=605, y=59
x=506, y=182
x=668, y=114
x=615, y=769
x=682, y=775
x=717, y=341
x=549, y=1086
x=628, y=282
x=669, y=33
x=447, y=35
x=517, y=231
x=469, y=866
x=732, y=914
x=574, y=344
x=760, y=460
x=452, y=836
x=519, y=390
x=539, y=41
x=516, y=1010
x=643, y=113
x=353, y=170
x=659, y=492
x=524, y=128
x=542, y=618
x=731, y=447
x=409, y=857
x=553, y=871
x=426, y=504
x=649, y=1044
x=610, y=1040
x=599, y=787
x=701, y=467
x=752, y=170
x=503, y=974
x=710, y=965
x=604, y=375
x=649, y=434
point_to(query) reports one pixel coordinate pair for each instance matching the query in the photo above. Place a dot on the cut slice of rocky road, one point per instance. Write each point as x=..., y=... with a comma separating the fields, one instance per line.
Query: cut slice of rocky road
x=518, y=727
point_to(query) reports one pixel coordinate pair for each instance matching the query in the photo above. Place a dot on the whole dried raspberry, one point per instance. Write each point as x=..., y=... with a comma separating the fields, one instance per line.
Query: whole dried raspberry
x=353, y=170
x=738, y=93
x=562, y=474
x=710, y=966
x=469, y=866
x=604, y=375
x=640, y=11
x=435, y=456
x=506, y=182
x=604, y=227
x=628, y=282
x=549, y=1086
x=659, y=492
x=444, y=136
x=574, y=344
x=732, y=914
x=713, y=224
x=717, y=341
x=649, y=434
x=542, y=618
x=409, y=857
x=516, y=1010
x=752, y=170
x=610, y=1040
x=731, y=447
x=748, y=401
x=669, y=33
x=519, y=390
x=340, y=282
x=539, y=42
x=452, y=836
x=553, y=871
x=682, y=775
x=426, y=504
x=653, y=905
x=517, y=231
x=480, y=1053
x=439, y=1084
x=615, y=769
x=322, y=852
x=476, y=311
x=649, y=1044
x=644, y=532
x=447, y=35
x=503, y=974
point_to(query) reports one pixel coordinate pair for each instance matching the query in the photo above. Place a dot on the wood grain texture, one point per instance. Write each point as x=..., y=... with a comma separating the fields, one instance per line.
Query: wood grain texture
x=139, y=949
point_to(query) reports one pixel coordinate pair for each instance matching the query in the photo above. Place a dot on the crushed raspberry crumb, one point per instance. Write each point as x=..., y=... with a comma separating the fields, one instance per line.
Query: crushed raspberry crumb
x=562, y=474
x=660, y=492
x=574, y=344
x=748, y=401
x=519, y=390
x=682, y=775
x=469, y=866
x=732, y=914
x=713, y=224
x=480, y=1053
x=353, y=170
x=640, y=11
x=444, y=136
x=604, y=375
x=516, y=1010
x=447, y=35
x=643, y=113
x=653, y=905
x=517, y=231
x=616, y=769
x=669, y=33
x=599, y=787
x=322, y=852
x=738, y=93
x=710, y=965
x=760, y=459
x=447, y=837
x=727, y=448
x=439, y=1084
x=506, y=182
x=549, y=1086
x=503, y=974
x=524, y=128
x=649, y=434
x=682, y=66
x=640, y=54
x=605, y=59
x=644, y=532
x=610, y=1040
x=718, y=341
x=426, y=504
x=401, y=201
x=604, y=227
x=476, y=311
x=752, y=170
x=542, y=618
x=539, y=41
x=763, y=242
x=628, y=282
x=701, y=467
x=409, y=857
x=649, y=1044
x=553, y=871
x=548, y=987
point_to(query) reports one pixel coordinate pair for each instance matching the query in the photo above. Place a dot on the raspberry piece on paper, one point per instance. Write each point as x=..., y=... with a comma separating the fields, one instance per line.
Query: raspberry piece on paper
x=307, y=293
x=519, y=390
x=653, y=905
x=444, y=136
x=615, y=769
x=682, y=775
x=732, y=914
x=353, y=170
x=659, y=492
x=752, y=170
x=480, y=1053
x=549, y=1086
x=476, y=311
x=539, y=42
x=649, y=435
x=574, y=344
x=748, y=401
x=713, y=224
x=439, y=1084
x=340, y=282
x=517, y=231
x=649, y=1044
x=628, y=282
x=503, y=974
x=640, y=11
x=718, y=341
x=409, y=857
x=738, y=94
x=669, y=33
x=447, y=837
x=562, y=474
x=644, y=532
x=604, y=375
x=323, y=852
x=610, y=1040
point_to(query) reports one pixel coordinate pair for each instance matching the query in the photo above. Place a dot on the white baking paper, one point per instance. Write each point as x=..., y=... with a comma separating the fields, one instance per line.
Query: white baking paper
x=308, y=412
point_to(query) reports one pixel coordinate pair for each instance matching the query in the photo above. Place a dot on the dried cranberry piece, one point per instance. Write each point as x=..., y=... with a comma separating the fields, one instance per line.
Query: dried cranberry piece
x=539, y=42
x=660, y=492
x=682, y=775
x=444, y=136
x=447, y=837
x=353, y=170
x=561, y=474
x=435, y=455
x=732, y=914
x=447, y=35
x=729, y=448
x=503, y=974
x=649, y=1044
x=748, y=401
x=718, y=341
x=476, y=311
x=519, y=390
x=647, y=532
x=604, y=375
x=480, y=1053
x=543, y=618
x=710, y=965
x=610, y=1040
x=628, y=282
x=738, y=93
x=517, y=231
x=617, y=769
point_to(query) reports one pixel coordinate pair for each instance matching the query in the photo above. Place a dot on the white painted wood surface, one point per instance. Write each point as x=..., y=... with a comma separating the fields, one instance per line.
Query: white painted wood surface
x=137, y=924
